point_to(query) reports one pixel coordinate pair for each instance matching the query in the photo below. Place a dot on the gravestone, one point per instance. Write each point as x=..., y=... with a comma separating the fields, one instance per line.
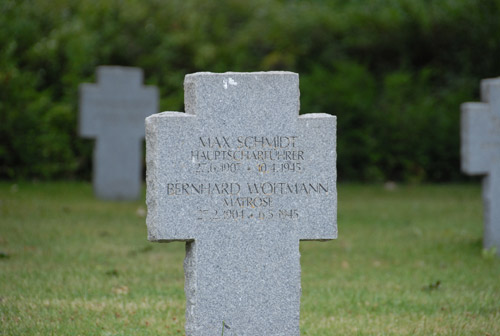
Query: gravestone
x=242, y=179
x=113, y=112
x=481, y=154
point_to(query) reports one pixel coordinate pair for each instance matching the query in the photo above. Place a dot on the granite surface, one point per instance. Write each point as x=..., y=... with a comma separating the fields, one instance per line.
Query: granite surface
x=242, y=179
x=113, y=112
x=480, y=134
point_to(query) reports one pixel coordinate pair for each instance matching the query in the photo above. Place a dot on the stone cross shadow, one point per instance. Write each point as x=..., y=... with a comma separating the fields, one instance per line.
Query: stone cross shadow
x=242, y=179
x=113, y=112
x=480, y=133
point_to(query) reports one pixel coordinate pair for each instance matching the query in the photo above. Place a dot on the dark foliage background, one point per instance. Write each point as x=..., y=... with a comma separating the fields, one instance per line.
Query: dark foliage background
x=393, y=71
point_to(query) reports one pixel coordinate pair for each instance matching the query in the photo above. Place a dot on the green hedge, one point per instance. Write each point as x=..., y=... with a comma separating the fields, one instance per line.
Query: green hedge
x=393, y=71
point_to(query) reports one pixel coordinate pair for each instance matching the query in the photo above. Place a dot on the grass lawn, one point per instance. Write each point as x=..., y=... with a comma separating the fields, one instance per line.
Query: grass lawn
x=407, y=262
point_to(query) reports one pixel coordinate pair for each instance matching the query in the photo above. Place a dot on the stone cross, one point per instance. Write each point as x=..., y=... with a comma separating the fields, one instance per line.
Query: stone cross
x=242, y=179
x=481, y=154
x=113, y=112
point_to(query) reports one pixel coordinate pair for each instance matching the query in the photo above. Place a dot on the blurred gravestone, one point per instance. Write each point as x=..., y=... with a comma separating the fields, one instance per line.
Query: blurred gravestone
x=242, y=179
x=113, y=112
x=481, y=154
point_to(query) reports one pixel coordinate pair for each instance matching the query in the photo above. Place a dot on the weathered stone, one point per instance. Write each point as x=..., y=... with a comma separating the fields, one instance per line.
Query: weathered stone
x=113, y=112
x=242, y=179
x=481, y=154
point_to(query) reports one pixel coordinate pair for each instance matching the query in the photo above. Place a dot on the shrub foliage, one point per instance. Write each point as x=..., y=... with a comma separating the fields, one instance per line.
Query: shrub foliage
x=393, y=71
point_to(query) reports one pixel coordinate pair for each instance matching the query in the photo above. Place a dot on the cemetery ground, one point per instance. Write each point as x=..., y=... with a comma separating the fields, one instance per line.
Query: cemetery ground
x=407, y=261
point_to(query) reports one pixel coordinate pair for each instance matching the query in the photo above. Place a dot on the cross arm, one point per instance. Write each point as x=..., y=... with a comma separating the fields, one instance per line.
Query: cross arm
x=87, y=118
x=475, y=121
x=166, y=213
x=319, y=131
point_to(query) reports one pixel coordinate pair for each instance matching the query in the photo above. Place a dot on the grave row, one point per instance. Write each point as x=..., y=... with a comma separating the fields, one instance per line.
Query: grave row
x=242, y=179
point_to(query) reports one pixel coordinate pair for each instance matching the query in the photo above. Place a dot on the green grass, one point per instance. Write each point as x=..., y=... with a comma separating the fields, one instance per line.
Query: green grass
x=71, y=265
